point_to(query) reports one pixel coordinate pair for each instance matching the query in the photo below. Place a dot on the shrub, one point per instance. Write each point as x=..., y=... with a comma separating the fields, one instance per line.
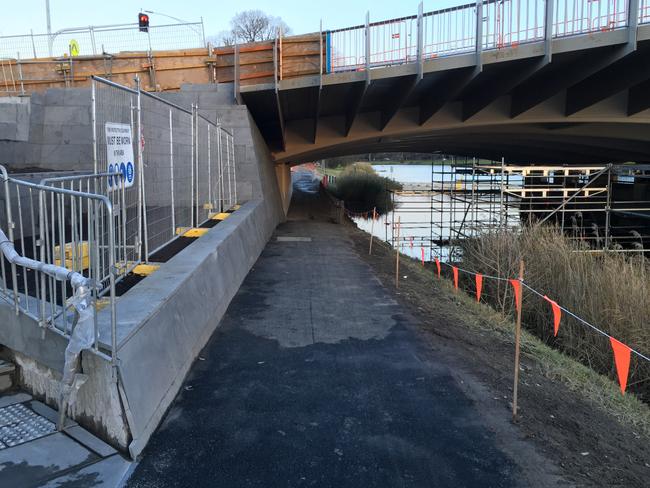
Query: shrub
x=362, y=189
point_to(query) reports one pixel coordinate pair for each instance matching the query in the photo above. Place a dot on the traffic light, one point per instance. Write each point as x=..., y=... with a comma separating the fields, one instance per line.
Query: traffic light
x=143, y=22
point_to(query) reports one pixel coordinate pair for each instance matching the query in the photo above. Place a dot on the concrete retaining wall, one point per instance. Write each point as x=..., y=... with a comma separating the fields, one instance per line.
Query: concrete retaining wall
x=166, y=319
x=58, y=136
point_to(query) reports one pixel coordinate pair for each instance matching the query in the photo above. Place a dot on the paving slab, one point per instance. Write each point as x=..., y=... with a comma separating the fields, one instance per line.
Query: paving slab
x=33, y=463
x=107, y=473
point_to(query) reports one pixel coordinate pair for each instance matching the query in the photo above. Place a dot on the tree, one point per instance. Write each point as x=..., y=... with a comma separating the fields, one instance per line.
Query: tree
x=252, y=26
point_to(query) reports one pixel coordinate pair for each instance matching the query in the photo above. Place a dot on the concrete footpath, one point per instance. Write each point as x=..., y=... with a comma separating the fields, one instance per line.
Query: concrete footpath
x=317, y=377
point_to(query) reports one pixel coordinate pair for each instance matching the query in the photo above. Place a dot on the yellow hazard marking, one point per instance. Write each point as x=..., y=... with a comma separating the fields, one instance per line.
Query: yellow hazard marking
x=235, y=207
x=220, y=216
x=102, y=303
x=145, y=269
x=196, y=232
x=79, y=259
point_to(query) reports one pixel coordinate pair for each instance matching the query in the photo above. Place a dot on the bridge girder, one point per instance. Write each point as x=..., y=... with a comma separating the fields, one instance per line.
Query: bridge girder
x=518, y=102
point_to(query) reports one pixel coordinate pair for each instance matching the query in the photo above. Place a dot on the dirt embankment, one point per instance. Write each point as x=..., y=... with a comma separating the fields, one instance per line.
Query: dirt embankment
x=561, y=411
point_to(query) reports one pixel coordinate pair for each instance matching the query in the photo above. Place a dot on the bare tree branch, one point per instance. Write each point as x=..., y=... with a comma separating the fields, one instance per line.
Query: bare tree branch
x=252, y=26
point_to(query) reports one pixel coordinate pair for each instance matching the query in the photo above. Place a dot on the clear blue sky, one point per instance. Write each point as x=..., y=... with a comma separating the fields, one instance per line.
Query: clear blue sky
x=301, y=15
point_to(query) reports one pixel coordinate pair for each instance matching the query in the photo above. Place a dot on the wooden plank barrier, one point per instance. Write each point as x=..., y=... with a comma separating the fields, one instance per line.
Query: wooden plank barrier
x=168, y=70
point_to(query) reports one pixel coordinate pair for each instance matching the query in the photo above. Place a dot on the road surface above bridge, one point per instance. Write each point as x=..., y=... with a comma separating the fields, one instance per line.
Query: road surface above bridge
x=317, y=377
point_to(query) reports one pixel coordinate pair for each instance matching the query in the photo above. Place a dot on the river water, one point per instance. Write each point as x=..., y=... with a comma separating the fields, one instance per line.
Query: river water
x=450, y=215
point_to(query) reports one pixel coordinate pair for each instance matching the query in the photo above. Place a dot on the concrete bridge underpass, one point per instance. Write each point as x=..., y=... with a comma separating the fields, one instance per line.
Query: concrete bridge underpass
x=542, y=92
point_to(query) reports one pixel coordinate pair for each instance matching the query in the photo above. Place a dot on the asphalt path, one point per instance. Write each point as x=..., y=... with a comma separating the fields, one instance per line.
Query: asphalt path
x=318, y=377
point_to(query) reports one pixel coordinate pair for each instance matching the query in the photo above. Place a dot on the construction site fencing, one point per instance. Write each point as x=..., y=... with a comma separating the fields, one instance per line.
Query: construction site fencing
x=158, y=170
x=178, y=165
x=62, y=230
x=105, y=39
x=115, y=114
x=452, y=31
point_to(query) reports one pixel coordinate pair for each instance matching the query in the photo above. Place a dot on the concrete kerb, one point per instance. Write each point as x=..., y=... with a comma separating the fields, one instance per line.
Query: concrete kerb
x=172, y=314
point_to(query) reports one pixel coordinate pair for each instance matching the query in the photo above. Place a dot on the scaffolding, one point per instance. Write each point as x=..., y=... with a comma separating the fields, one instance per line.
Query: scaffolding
x=604, y=207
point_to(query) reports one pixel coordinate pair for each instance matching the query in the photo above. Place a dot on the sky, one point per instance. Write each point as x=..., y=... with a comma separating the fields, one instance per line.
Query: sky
x=301, y=15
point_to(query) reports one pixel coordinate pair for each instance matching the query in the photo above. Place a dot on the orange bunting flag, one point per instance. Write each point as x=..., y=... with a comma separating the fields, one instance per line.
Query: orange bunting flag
x=557, y=315
x=422, y=249
x=455, y=276
x=479, y=286
x=622, y=360
x=438, y=266
x=516, y=285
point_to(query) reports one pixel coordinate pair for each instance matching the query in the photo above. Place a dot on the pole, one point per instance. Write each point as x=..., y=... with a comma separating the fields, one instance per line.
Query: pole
x=49, y=26
x=397, y=253
x=517, y=342
x=372, y=229
x=608, y=210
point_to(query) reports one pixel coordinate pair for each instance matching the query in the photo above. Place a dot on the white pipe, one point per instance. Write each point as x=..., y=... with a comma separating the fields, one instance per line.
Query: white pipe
x=62, y=274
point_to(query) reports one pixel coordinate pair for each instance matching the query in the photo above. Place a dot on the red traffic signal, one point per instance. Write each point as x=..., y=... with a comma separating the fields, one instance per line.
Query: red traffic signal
x=143, y=22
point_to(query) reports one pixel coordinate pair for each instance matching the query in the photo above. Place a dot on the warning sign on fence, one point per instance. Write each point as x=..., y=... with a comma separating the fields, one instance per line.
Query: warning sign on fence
x=119, y=154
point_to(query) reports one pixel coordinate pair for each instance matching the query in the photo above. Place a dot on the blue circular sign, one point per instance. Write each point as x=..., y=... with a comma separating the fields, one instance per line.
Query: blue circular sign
x=123, y=171
x=110, y=178
x=129, y=172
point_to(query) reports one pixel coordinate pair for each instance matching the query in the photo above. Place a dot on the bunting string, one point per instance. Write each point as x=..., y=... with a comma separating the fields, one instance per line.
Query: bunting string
x=621, y=351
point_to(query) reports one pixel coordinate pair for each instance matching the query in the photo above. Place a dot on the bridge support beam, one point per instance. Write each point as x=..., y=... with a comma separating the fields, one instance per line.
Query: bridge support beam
x=355, y=101
x=446, y=91
x=639, y=98
x=626, y=73
x=499, y=87
x=403, y=90
x=622, y=74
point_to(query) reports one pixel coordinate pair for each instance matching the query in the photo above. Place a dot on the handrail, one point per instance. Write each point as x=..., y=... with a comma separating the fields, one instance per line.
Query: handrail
x=44, y=236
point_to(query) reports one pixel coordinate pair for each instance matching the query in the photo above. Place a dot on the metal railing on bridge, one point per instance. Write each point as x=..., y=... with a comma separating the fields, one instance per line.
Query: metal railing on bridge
x=159, y=170
x=451, y=31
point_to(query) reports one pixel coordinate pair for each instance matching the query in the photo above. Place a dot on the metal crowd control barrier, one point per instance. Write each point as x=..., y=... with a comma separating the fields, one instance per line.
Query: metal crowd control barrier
x=55, y=227
x=451, y=31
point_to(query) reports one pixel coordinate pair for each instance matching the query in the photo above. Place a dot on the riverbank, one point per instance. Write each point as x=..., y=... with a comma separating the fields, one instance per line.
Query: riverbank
x=573, y=415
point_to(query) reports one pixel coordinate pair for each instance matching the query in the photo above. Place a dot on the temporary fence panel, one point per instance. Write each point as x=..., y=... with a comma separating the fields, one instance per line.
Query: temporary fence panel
x=116, y=149
x=97, y=40
x=230, y=187
x=182, y=147
x=183, y=171
x=215, y=154
x=203, y=186
x=158, y=163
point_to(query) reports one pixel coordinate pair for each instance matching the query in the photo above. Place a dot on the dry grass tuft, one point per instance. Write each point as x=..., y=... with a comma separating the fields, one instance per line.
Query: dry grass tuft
x=610, y=291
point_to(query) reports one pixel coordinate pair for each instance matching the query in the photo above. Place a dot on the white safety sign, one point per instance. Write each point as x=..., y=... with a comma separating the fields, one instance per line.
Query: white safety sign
x=119, y=152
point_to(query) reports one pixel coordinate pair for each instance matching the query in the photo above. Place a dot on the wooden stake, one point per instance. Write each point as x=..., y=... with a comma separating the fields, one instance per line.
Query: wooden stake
x=397, y=254
x=517, y=342
x=372, y=229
